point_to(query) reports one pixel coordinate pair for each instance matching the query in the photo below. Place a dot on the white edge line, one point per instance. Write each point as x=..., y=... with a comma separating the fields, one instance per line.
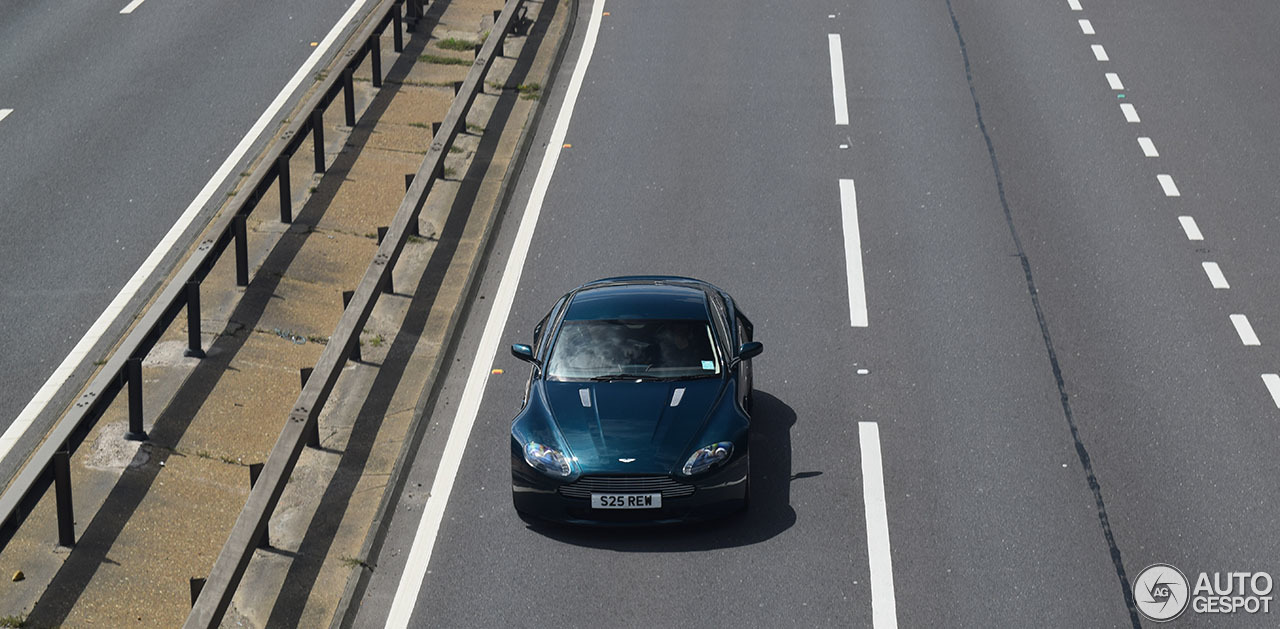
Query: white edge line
x=884, y=612
x=838, y=95
x=1247, y=336
x=1216, y=278
x=60, y=375
x=128, y=8
x=424, y=540
x=1189, y=226
x=853, y=254
x=4, y=113
x=1148, y=147
x=1272, y=381
x=1170, y=188
x=1113, y=80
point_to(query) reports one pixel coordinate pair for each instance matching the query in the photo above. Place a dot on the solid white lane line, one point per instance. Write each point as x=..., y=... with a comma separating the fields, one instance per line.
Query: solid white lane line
x=1113, y=80
x=1244, y=330
x=1074, y=4
x=837, y=79
x=128, y=8
x=1272, y=381
x=1166, y=184
x=1130, y=113
x=433, y=512
x=853, y=254
x=4, y=113
x=1215, y=275
x=269, y=117
x=1189, y=226
x=884, y=612
x=1086, y=27
x=1148, y=147
x=1100, y=53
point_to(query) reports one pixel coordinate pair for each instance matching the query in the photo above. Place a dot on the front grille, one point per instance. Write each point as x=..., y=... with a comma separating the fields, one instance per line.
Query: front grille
x=585, y=486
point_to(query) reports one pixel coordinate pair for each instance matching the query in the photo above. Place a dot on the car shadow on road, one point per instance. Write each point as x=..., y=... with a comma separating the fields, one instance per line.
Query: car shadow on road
x=770, y=512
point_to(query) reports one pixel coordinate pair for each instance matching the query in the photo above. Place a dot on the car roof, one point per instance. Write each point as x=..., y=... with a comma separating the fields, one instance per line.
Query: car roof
x=631, y=299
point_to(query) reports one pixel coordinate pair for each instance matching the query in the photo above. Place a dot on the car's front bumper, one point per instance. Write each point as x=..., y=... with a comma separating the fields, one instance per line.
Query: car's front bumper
x=715, y=495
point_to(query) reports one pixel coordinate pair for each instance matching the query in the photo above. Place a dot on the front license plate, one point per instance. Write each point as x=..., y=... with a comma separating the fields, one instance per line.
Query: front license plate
x=626, y=501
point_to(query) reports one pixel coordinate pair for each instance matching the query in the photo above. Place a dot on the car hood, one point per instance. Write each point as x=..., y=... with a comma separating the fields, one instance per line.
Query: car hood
x=605, y=424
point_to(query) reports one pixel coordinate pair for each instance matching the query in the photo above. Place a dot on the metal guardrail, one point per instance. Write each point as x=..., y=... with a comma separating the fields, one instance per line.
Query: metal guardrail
x=302, y=425
x=49, y=464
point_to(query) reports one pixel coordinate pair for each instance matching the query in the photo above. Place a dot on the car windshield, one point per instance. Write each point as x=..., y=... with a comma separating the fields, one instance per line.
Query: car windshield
x=608, y=349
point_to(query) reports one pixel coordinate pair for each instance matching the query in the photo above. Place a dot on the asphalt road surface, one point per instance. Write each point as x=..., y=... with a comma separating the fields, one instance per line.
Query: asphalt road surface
x=110, y=125
x=1026, y=290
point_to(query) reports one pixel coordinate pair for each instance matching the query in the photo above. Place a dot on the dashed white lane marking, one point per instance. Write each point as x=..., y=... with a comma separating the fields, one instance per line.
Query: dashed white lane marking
x=128, y=8
x=4, y=113
x=1086, y=27
x=1130, y=113
x=1166, y=184
x=1272, y=381
x=1148, y=147
x=424, y=539
x=1189, y=226
x=1113, y=80
x=1074, y=4
x=64, y=370
x=837, y=79
x=1100, y=53
x=1244, y=330
x=884, y=610
x=1215, y=275
x=853, y=254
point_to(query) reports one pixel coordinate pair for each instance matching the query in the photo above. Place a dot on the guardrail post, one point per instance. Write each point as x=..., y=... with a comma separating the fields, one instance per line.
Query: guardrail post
x=133, y=369
x=193, y=321
x=313, y=429
x=397, y=37
x=286, y=200
x=501, y=36
x=355, y=349
x=457, y=87
x=197, y=584
x=62, y=487
x=349, y=97
x=242, y=250
x=255, y=470
x=389, y=288
x=317, y=138
x=375, y=59
x=414, y=228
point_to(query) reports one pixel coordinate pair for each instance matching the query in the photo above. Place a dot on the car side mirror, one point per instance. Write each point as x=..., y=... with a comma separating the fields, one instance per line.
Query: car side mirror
x=523, y=352
x=749, y=350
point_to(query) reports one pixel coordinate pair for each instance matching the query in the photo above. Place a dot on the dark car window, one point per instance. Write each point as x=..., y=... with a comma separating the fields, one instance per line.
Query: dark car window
x=660, y=348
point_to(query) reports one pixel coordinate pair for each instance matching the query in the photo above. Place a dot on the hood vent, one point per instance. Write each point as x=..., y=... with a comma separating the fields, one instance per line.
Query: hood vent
x=677, y=396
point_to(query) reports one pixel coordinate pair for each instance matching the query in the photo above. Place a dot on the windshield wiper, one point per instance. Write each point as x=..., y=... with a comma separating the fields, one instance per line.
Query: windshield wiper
x=626, y=376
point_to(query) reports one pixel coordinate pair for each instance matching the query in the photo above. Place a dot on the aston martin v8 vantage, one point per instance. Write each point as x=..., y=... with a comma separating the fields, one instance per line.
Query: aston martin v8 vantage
x=638, y=405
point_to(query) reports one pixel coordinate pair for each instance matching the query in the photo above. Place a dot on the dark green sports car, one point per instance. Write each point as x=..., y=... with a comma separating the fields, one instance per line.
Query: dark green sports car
x=637, y=408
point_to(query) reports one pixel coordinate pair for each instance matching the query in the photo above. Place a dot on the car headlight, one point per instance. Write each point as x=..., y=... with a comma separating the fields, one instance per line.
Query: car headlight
x=707, y=456
x=548, y=460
